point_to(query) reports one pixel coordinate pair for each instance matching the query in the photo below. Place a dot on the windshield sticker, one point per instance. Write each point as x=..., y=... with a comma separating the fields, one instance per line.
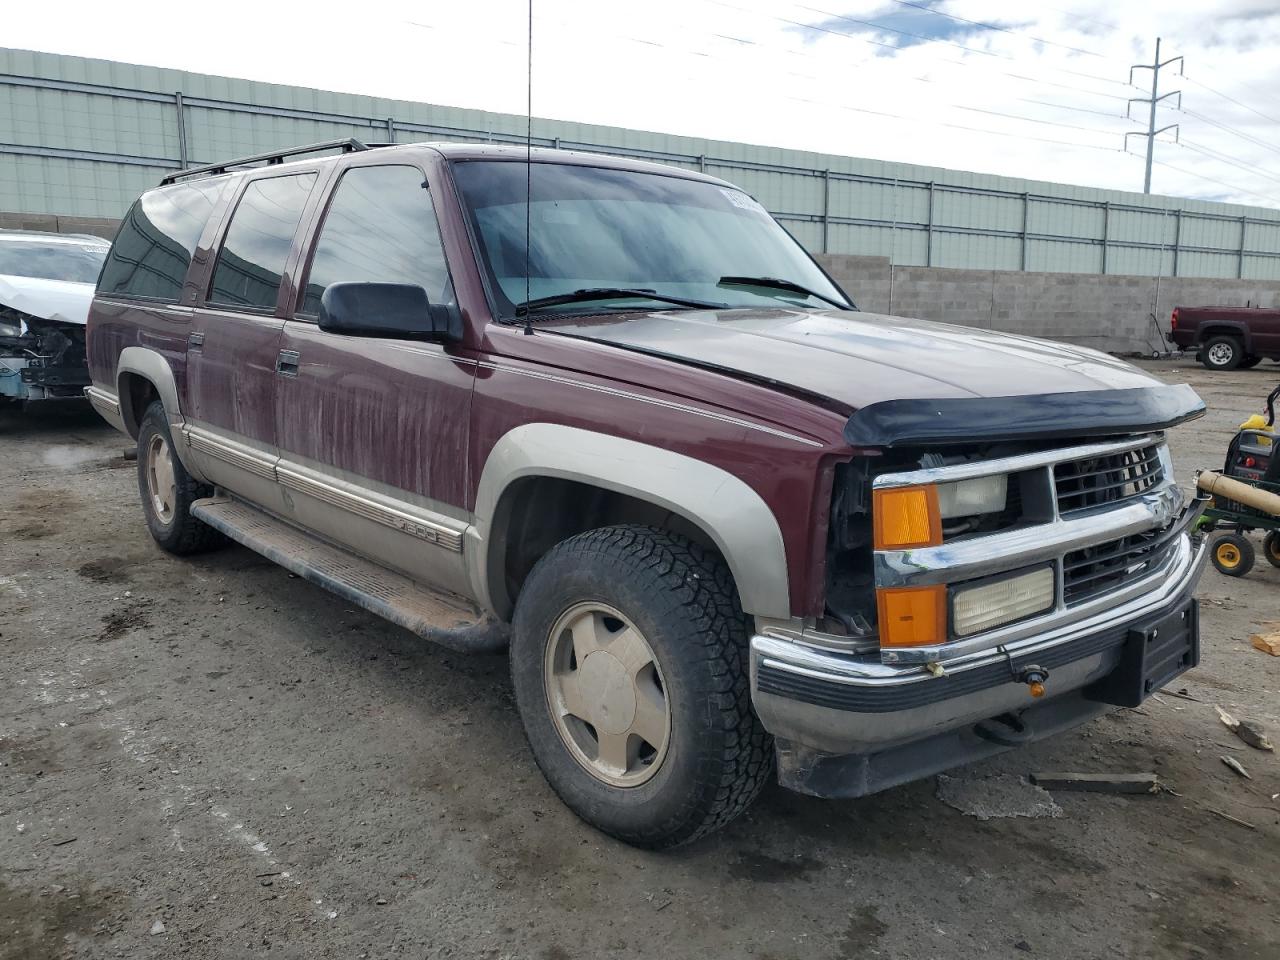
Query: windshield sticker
x=742, y=201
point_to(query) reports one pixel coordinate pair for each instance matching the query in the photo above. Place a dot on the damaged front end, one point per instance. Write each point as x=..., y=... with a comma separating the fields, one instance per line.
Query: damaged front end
x=41, y=359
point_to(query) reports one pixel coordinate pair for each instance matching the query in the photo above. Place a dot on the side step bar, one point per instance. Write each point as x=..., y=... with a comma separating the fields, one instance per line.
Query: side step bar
x=431, y=614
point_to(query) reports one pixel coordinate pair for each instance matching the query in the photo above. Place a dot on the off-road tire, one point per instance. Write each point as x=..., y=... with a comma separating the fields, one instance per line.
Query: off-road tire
x=1221, y=353
x=1232, y=554
x=1271, y=548
x=682, y=598
x=183, y=534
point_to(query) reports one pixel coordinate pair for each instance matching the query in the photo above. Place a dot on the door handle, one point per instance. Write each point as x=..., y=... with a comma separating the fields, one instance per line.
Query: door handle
x=287, y=363
x=195, y=341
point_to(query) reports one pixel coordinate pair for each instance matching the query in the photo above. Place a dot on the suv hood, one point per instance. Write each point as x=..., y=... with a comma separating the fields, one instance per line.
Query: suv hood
x=856, y=359
x=59, y=300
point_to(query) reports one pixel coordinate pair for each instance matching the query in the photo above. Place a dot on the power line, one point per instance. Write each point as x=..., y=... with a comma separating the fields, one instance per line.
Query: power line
x=1230, y=161
x=1229, y=186
x=1227, y=128
x=1238, y=103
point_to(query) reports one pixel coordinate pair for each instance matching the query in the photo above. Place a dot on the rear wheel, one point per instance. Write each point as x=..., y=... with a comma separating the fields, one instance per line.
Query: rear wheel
x=1221, y=353
x=168, y=491
x=629, y=661
x=1233, y=554
x=1271, y=548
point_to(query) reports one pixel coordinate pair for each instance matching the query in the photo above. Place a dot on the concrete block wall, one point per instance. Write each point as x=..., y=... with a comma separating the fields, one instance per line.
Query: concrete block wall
x=52, y=223
x=1111, y=313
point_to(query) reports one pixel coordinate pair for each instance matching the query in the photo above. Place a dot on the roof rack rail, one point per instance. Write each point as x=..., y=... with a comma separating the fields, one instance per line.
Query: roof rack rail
x=349, y=145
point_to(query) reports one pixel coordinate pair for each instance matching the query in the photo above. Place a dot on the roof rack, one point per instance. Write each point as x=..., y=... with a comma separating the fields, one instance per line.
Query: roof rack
x=349, y=145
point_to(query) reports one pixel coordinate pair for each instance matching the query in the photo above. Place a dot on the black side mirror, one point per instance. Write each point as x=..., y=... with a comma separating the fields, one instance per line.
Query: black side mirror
x=383, y=310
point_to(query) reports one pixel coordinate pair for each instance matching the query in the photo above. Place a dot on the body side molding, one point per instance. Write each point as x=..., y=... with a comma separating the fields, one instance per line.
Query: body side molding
x=733, y=515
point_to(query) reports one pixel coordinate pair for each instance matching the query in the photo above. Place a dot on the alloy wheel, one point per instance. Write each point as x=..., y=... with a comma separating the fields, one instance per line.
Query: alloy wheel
x=607, y=696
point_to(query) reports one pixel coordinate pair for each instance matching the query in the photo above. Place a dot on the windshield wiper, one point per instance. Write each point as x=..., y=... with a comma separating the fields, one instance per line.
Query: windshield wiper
x=776, y=284
x=611, y=293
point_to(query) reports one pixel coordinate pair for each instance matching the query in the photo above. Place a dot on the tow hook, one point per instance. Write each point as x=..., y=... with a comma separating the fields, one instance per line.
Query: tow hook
x=1034, y=677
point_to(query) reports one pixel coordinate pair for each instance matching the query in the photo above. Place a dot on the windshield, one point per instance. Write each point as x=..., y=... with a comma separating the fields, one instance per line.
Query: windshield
x=593, y=228
x=52, y=260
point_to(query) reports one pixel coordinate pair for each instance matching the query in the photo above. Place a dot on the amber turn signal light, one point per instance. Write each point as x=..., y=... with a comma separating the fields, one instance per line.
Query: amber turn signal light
x=912, y=616
x=906, y=517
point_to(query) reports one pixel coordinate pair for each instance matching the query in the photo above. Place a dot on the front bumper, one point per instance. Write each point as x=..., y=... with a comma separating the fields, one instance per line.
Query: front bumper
x=848, y=725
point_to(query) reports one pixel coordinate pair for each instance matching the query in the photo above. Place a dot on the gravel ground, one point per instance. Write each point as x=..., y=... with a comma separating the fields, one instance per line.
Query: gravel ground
x=211, y=758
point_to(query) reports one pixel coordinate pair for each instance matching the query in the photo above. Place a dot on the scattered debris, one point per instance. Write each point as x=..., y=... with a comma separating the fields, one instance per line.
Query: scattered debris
x=1000, y=796
x=63, y=843
x=1227, y=816
x=1267, y=643
x=1247, y=730
x=381, y=901
x=1182, y=695
x=157, y=928
x=1237, y=766
x=1099, y=782
x=1023, y=946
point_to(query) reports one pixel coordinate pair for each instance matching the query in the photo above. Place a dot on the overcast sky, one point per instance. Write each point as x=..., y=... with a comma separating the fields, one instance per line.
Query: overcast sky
x=998, y=86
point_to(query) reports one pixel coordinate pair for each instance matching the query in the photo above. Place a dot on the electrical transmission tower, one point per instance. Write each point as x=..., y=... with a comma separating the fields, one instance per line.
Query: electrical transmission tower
x=1155, y=66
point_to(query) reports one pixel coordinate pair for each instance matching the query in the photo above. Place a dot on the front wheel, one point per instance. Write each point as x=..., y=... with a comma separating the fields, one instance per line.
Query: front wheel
x=1233, y=554
x=630, y=667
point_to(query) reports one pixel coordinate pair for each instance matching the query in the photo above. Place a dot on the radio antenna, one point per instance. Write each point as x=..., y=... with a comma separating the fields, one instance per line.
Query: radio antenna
x=528, y=174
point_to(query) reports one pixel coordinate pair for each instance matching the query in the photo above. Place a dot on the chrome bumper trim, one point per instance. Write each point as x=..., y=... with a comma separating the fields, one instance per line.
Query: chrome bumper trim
x=897, y=708
x=792, y=657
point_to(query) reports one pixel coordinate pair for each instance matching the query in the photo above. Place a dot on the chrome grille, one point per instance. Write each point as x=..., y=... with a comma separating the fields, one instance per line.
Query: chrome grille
x=1106, y=479
x=1093, y=571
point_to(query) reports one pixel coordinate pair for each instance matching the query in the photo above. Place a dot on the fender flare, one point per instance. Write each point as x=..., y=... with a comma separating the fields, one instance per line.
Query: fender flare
x=1215, y=328
x=733, y=515
x=152, y=366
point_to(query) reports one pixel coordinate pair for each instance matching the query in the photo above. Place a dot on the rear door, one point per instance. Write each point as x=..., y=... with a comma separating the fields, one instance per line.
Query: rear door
x=234, y=352
x=373, y=430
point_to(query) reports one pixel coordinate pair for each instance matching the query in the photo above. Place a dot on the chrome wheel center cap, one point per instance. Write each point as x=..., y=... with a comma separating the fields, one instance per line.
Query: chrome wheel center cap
x=608, y=691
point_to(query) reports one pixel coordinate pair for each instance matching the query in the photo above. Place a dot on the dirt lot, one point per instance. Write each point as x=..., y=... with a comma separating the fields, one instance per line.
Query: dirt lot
x=210, y=758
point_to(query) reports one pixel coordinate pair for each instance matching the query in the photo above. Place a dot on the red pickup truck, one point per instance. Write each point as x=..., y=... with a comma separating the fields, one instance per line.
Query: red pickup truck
x=1225, y=338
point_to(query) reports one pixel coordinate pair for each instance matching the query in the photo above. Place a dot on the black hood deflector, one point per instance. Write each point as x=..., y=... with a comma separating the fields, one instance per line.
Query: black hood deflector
x=1046, y=416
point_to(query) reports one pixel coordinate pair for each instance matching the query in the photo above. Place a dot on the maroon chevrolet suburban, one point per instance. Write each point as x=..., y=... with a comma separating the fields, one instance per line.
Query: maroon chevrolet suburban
x=1225, y=338
x=610, y=418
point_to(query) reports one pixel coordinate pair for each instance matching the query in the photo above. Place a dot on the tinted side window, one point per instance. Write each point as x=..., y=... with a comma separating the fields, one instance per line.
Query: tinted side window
x=157, y=237
x=253, y=254
x=381, y=227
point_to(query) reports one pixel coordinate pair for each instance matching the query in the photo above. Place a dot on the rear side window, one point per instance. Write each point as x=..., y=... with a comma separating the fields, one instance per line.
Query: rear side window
x=381, y=228
x=157, y=238
x=257, y=244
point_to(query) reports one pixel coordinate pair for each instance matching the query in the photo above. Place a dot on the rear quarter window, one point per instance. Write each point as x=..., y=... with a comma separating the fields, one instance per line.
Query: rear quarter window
x=157, y=238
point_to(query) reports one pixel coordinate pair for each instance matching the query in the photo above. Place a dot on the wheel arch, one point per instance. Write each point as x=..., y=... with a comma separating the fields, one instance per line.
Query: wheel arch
x=1224, y=328
x=143, y=375
x=581, y=479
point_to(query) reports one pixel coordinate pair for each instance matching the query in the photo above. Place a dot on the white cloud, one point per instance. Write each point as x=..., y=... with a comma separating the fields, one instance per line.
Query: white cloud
x=750, y=70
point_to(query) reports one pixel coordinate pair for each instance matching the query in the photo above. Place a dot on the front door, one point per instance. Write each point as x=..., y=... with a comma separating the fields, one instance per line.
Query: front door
x=373, y=431
x=233, y=353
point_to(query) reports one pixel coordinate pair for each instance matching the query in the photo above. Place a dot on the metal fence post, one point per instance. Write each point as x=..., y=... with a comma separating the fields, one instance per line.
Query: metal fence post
x=826, y=211
x=928, y=236
x=391, y=130
x=1244, y=226
x=1106, y=233
x=1177, y=238
x=1026, y=206
x=181, y=113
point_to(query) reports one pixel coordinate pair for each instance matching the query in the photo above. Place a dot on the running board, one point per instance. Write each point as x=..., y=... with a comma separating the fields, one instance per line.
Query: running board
x=431, y=614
